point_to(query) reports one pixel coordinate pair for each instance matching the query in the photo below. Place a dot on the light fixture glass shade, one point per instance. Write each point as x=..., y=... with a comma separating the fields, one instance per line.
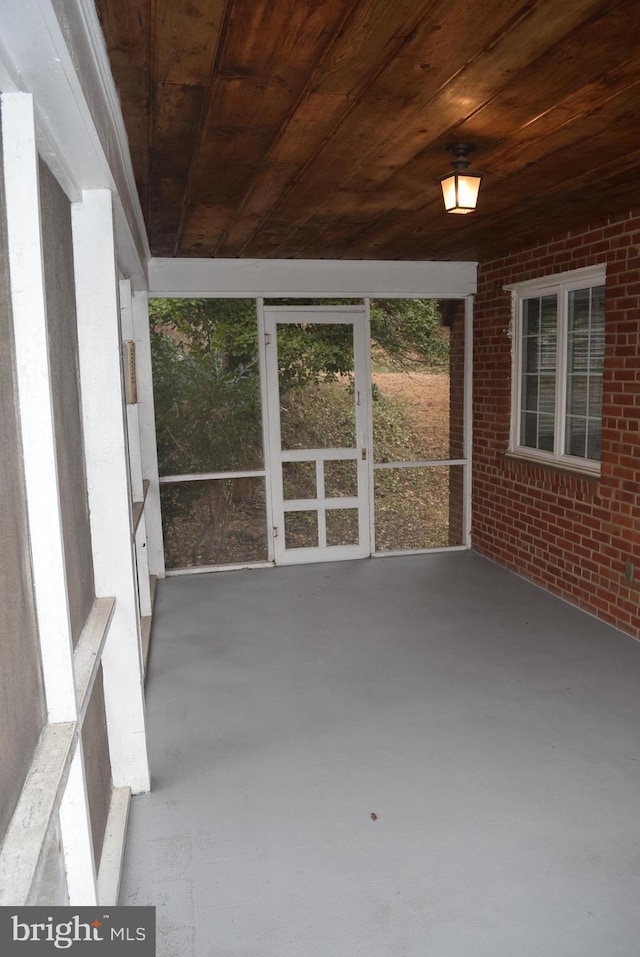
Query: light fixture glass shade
x=460, y=190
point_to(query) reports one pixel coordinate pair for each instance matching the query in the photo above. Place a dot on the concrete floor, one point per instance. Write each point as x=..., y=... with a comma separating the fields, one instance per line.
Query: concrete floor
x=413, y=757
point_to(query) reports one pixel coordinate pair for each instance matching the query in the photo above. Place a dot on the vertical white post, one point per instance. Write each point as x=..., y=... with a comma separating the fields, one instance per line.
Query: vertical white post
x=147, y=424
x=133, y=432
x=33, y=373
x=36, y=409
x=368, y=386
x=108, y=482
x=265, y=413
x=468, y=417
x=77, y=841
x=135, y=462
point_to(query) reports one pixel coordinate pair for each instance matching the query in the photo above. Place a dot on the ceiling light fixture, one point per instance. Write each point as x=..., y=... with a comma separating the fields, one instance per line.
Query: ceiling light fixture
x=460, y=187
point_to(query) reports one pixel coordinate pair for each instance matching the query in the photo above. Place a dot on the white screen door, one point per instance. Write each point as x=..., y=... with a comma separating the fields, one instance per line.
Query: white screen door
x=319, y=449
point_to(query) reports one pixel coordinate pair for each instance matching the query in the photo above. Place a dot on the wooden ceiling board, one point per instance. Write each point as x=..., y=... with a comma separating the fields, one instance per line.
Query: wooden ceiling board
x=378, y=26
x=385, y=110
x=560, y=131
x=578, y=69
x=258, y=80
x=126, y=29
x=555, y=151
x=272, y=128
x=559, y=206
x=185, y=41
x=449, y=110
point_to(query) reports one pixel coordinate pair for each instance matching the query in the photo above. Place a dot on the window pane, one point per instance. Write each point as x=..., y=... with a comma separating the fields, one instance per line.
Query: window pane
x=576, y=436
x=577, y=394
x=531, y=360
x=579, y=310
x=585, y=355
x=539, y=356
x=578, y=353
x=530, y=397
x=546, y=432
x=531, y=312
x=548, y=316
x=595, y=395
x=548, y=353
x=547, y=394
x=529, y=429
x=594, y=442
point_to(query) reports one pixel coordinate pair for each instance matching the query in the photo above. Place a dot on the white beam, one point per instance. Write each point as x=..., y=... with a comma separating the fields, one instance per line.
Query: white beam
x=310, y=278
x=108, y=483
x=37, y=425
x=147, y=423
x=22, y=851
x=75, y=824
x=468, y=420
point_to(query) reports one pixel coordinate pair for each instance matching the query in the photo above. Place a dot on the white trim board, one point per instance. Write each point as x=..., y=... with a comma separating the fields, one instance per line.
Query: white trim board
x=22, y=853
x=111, y=861
x=237, y=278
x=37, y=426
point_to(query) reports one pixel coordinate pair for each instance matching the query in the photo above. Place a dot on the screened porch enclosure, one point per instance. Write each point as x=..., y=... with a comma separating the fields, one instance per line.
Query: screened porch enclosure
x=297, y=430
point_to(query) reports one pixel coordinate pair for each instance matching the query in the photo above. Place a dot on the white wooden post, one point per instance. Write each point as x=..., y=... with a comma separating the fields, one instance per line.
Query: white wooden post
x=77, y=841
x=135, y=463
x=36, y=409
x=147, y=423
x=126, y=327
x=28, y=300
x=108, y=482
x=468, y=418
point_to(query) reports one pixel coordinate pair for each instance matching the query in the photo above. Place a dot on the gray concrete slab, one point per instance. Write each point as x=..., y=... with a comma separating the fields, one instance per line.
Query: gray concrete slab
x=413, y=756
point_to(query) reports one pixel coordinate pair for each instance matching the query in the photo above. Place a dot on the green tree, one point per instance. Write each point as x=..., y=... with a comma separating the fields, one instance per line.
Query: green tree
x=205, y=361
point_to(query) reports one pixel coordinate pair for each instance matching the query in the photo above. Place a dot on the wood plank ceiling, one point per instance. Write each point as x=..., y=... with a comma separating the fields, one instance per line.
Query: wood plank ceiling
x=318, y=128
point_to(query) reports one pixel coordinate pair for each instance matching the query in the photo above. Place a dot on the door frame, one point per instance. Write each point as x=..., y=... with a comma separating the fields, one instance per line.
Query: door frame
x=358, y=317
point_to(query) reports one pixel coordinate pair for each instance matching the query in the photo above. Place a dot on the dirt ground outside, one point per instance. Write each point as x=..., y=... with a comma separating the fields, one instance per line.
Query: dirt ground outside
x=425, y=398
x=411, y=505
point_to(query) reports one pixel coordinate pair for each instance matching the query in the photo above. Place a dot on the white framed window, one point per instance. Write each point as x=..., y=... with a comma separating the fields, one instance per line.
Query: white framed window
x=558, y=358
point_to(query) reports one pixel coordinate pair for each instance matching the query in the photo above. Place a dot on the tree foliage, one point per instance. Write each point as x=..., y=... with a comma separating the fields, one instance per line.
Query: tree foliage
x=206, y=376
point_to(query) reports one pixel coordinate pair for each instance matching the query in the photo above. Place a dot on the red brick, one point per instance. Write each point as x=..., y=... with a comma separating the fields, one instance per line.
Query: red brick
x=568, y=533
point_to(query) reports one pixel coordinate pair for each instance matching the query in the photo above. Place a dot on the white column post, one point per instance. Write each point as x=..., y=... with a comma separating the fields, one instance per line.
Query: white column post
x=77, y=840
x=135, y=461
x=468, y=417
x=108, y=482
x=29, y=308
x=37, y=424
x=147, y=422
x=133, y=432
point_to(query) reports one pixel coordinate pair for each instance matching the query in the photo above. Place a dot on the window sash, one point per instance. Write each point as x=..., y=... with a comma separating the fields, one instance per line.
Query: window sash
x=558, y=360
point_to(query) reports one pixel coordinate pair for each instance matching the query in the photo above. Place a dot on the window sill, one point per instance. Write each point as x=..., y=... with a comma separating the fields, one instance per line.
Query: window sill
x=554, y=465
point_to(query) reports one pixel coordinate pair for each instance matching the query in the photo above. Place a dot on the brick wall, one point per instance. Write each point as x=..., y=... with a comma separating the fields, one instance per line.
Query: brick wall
x=571, y=534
